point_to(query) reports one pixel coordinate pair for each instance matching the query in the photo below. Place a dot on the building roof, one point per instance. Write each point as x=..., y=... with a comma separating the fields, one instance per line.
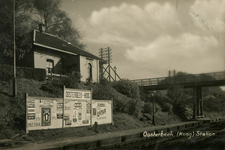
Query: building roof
x=52, y=42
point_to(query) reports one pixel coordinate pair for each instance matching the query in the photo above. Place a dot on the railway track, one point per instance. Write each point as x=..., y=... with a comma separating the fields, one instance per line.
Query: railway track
x=202, y=134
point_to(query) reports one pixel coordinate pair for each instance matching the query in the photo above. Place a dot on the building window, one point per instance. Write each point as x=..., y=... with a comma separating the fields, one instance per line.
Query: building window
x=89, y=71
x=50, y=66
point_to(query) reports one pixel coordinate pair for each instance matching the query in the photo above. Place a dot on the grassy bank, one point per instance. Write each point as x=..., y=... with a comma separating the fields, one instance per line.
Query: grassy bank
x=127, y=109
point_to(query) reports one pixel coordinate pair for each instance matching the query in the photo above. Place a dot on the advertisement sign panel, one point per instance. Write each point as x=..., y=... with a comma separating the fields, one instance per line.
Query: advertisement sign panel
x=46, y=103
x=31, y=103
x=78, y=105
x=43, y=113
x=59, y=110
x=102, y=111
x=75, y=109
x=31, y=116
x=46, y=116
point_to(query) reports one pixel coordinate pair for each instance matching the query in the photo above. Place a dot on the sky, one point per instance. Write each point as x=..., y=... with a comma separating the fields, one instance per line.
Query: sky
x=149, y=38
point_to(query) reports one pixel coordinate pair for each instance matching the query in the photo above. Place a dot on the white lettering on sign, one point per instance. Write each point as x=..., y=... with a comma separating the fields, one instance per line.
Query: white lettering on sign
x=77, y=105
x=101, y=105
x=46, y=103
x=77, y=95
x=33, y=124
x=31, y=109
x=74, y=94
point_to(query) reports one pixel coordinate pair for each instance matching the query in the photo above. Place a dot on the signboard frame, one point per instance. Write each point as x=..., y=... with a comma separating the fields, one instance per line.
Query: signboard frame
x=111, y=113
x=34, y=105
x=78, y=96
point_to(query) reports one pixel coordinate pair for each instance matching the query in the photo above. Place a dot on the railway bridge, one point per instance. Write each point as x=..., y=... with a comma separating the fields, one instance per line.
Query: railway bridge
x=194, y=81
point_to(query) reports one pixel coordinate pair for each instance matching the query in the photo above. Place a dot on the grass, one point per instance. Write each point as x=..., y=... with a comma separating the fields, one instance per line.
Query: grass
x=11, y=108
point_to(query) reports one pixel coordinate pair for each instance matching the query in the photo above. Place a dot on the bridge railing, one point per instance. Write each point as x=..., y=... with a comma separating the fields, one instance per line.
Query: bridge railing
x=181, y=79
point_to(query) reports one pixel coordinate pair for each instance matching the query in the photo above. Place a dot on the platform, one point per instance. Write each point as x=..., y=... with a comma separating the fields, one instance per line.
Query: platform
x=99, y=140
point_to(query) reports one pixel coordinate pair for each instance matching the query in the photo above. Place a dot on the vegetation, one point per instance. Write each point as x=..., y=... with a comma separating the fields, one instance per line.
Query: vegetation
x=6, y=73
x=127, y=87
x=127, y=109
x=148, y=108
x=28, y=15
x=180, y=100
x=121, y=102
x=56, y=21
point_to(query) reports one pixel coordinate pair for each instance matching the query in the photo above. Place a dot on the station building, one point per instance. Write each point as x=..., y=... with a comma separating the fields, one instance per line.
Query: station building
x=59, y=57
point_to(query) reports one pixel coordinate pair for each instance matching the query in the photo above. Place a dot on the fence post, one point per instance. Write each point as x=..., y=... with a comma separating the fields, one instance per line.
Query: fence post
x=63, y=106
x=112, y=111
x=26, y=111
x=91, y=107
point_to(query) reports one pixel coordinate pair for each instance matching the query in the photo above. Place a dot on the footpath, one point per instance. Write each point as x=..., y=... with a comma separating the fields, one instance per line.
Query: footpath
x=104, y=139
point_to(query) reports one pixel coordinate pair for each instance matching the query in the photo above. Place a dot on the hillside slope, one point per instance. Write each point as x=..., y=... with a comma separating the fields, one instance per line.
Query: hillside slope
x=12, y=112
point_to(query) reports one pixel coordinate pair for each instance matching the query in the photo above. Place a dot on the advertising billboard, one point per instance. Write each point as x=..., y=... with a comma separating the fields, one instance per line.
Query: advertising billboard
x=102, y=111
x=42, y=113
x=75, y=109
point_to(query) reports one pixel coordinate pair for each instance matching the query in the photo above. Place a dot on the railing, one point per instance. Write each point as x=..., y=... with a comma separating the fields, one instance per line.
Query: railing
x=215, y=76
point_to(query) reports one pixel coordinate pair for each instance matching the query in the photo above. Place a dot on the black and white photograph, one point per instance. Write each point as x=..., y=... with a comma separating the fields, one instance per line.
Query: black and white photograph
x=112, y=74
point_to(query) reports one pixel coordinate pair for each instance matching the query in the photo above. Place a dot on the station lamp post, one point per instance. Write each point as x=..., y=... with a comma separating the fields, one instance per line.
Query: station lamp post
x=153, y=107
x=115, y=71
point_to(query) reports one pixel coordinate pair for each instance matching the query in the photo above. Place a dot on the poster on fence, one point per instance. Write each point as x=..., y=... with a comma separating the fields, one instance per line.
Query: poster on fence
x=102, y=111
x=43, y=113
x=77, y=107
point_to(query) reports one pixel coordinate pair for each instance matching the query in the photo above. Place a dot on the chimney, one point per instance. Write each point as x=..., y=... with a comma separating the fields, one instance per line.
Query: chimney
x=41, y=28
x=169, y=73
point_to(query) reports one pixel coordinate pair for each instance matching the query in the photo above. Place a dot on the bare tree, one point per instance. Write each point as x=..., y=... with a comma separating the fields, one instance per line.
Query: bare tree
x=56, y=21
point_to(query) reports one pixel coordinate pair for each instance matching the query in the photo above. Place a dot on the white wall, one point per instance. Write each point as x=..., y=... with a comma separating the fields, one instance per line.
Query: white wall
x=84, y=69
x=40, y=61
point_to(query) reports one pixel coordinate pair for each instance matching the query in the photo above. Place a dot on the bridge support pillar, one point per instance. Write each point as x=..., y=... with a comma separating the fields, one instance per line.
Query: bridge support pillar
x=197, y=102
x=194, y=102
x=199, y=97
x=200, y=101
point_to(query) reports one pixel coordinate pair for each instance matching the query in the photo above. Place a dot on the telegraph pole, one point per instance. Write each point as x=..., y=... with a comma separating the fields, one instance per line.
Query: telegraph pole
x=109, y=63
x=14, y=56
x=106, y=54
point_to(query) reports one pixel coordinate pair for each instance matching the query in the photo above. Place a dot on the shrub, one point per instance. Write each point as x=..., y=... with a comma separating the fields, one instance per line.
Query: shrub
x=127, y=87
x=121, y=103
x=53, y=87
x=211, y=104
x=104, y=81
x=148, y=108
x=134, y=107
x=12, y=113
x=34, y=73
x=166, y=107
x=72, y=80
x=6, y=73
x=180, y=110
